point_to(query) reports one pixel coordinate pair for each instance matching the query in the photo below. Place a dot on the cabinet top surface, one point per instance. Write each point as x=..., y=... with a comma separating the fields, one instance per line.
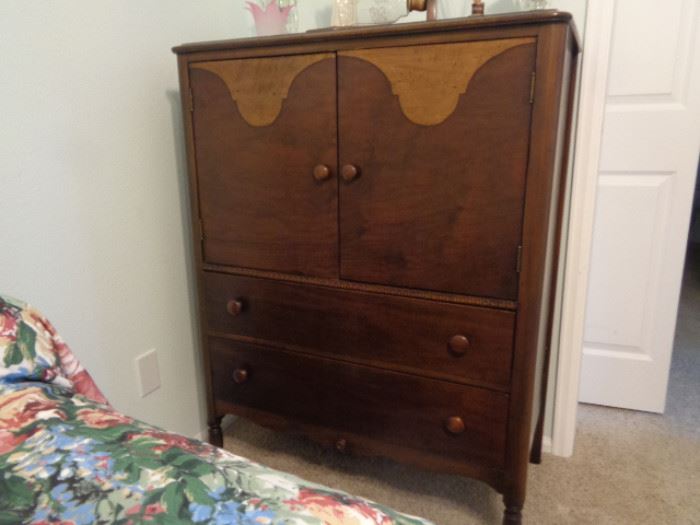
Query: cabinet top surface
x=331, y=35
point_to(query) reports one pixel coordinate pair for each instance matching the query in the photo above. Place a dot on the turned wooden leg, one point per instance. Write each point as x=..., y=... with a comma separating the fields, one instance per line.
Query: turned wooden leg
x=513, y=516
x=513, y=512
x=216, y=435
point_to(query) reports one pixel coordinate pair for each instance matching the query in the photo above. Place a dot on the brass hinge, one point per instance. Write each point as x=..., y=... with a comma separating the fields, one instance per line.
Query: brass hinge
x=202, y=238
x=201, y=230
x=519, y=259
x=532, y=87
x=190, y=100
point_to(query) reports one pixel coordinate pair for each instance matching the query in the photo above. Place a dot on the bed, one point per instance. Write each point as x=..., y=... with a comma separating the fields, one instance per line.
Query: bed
x=67, y=457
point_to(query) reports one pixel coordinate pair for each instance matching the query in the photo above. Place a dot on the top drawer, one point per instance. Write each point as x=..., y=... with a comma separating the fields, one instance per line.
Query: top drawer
x=450, y=341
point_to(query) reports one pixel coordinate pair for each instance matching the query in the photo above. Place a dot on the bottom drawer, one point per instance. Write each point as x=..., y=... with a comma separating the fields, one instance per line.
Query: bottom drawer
x=437, y=417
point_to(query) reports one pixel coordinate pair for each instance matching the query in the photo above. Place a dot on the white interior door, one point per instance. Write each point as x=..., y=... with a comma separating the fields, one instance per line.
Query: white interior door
x=649, y=155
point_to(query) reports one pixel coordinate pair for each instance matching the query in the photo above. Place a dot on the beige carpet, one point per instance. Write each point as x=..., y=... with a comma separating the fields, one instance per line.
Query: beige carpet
x=628, y=467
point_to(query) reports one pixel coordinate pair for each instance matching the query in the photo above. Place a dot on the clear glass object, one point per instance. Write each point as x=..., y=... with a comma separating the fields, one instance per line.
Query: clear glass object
x=344, y=13
x=528, y=5
x=380, y=11
x=360, y=12
x=293, y=19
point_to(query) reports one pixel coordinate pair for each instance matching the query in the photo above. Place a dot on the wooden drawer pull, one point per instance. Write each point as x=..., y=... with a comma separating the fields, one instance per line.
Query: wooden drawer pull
x=322, y=172
x=240, y=375
x=234, y=307
x=341, y=445
x=458, y=344
x=454, y=425
x=349, y=172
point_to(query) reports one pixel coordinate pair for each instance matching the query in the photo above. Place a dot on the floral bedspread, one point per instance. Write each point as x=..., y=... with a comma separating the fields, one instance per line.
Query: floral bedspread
x=67, y=457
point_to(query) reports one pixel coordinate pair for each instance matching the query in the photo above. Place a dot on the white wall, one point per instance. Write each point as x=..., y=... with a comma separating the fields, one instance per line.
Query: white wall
x=92, y=197
x=94, y=226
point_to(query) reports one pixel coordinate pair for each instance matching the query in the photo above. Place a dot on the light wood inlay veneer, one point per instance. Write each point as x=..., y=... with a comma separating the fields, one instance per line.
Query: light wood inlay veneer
x=260, y=85
x=429, y=80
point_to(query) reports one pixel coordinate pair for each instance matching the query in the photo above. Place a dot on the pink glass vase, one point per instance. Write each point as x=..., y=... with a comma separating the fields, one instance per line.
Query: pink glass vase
x=271, y=20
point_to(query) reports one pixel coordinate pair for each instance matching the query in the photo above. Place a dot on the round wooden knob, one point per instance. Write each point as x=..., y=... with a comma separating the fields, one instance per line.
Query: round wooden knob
x=458, y=344
x=234, y=307
x=349, y=172
x=322, y=172
x=240, y=375
x=454, y=425
x=341, y=445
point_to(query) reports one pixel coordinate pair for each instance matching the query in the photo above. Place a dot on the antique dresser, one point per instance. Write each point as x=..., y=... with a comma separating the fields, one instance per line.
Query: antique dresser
x=376, y=218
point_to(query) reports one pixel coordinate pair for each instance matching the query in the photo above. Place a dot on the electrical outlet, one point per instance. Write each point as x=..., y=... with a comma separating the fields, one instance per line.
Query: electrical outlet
x=147, y=372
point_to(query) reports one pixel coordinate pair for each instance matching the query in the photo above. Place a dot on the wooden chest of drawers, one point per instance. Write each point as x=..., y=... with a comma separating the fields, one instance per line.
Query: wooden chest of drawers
x=376, y=215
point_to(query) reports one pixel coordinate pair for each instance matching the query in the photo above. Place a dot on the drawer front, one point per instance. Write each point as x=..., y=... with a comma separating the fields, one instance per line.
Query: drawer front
x=457, y=342
x=440, y=418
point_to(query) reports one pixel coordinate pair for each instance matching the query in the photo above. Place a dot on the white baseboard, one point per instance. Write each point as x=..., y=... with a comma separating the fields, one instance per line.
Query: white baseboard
x=228, y=421
x=203, y=434
x=547, y=444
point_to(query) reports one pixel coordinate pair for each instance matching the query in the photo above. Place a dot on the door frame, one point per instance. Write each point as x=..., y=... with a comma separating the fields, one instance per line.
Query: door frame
x=589, y=131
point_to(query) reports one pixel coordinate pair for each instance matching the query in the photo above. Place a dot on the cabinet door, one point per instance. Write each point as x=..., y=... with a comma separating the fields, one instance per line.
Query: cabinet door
x=434, y=141
x=265, y=145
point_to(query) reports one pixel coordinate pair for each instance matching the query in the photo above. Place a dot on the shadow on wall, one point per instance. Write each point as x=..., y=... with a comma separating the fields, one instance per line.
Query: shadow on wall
x=180, y=154
x=501, y=6
x=694, y=235
x=323, y=17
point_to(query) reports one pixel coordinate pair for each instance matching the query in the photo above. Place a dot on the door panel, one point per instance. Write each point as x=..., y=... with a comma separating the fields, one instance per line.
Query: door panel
x=646, y=177
x=261, y=127
x=439, y=135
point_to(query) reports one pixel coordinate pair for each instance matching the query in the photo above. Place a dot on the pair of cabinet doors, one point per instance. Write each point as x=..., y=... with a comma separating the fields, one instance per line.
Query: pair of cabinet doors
x=402, y=166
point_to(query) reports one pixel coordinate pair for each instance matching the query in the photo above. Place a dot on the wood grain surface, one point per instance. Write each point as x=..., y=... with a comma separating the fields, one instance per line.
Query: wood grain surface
x=444, y=210
x=261, y=205
x=405, y=334
x=375, y=262
x=429, y=80
x=391, y=407
x=260, y=86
